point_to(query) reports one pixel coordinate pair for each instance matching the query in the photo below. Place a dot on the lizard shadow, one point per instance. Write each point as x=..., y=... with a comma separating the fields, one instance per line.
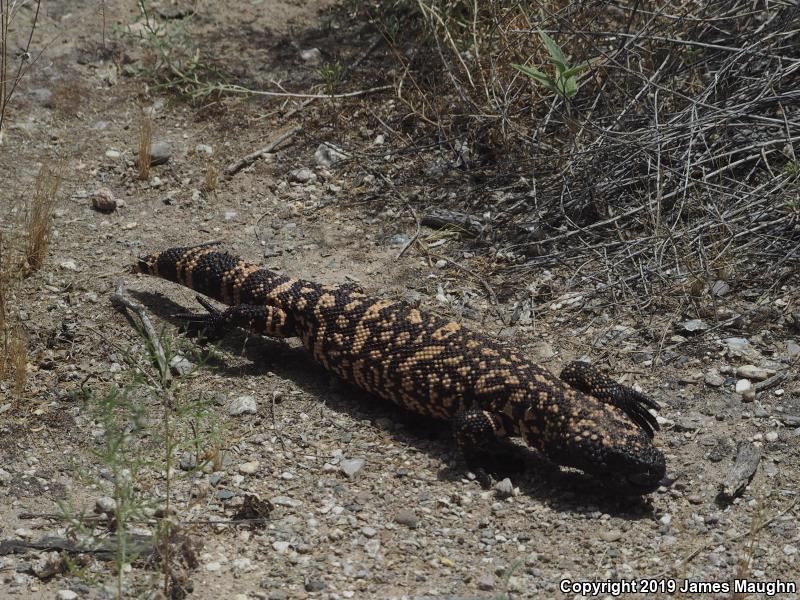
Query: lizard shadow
x=562, y=489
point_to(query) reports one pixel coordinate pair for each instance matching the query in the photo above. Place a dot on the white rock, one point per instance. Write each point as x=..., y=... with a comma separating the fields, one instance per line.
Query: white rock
x=771, y=436
x=754, y=372
x=66, y=595
x=328, y=154
x=204, y=149
x=105, y=504
x=351, y=466
x=250, y=467
x=743, y=385
x=113, y=153
x=180, y=365
x=242, y=564
x=303, y=175
x=243, y=405
x=213, y=566
x=312, y=56
x=280, y=547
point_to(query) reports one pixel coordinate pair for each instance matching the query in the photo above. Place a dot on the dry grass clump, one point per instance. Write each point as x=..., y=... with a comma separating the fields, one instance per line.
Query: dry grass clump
x=39, y=221
x=20, y=256
x=675, y=154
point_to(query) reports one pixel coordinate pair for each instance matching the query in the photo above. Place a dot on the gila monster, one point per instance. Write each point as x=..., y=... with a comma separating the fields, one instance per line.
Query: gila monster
x=432, y=366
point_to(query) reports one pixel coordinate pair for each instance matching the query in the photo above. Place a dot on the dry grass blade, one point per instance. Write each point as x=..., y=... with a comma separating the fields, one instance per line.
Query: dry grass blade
x=18, y=358
x=145, y=144
x=39, y=223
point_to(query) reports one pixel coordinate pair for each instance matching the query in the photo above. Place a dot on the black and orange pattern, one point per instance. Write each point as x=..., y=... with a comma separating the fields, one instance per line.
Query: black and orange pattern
x=432, y=366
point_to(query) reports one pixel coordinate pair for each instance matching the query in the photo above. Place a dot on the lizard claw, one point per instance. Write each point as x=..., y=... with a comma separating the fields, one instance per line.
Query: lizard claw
x=636, y=405
x=210, y=322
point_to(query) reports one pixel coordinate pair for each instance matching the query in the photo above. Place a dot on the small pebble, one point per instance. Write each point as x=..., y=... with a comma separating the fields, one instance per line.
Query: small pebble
x=486, y=583
x=610, y=535
x=280, y=547
x=771, y=436
x=314, y=585
x=406, y=517
x=66, y=595
x=103, y=200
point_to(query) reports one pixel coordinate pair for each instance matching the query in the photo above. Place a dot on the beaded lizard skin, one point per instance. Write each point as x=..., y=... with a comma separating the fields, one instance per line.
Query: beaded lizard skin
x=432, y=366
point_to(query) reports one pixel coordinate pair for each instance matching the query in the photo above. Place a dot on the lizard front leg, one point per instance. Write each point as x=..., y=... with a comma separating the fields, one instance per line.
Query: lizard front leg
x=475, y=431
x=590, y=380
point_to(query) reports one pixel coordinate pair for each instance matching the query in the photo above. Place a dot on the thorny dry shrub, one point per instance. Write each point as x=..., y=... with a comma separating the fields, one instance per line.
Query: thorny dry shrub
x=39, y=220
x=674, y=166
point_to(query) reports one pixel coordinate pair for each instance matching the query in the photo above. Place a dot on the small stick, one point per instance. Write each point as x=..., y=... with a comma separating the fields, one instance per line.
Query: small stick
x=248, y=160
x=120, y=300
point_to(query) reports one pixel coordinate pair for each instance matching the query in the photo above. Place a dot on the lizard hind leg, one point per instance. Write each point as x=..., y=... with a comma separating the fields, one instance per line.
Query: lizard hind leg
x=262, y=319
x=590, y=380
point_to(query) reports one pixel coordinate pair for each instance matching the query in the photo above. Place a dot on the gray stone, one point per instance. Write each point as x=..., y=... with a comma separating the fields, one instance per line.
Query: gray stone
x=243, y=405
x=407, y=517
x=351, y=466
x=327, y=155
x=105, y=504
x=314, y=585
x=160, y=153
x=285, y=501
x=188, y=461
x=486, y=583
x=303, y=175
x=714, y=379
x=740, y=348
x=504, y=488
x=694, y=326
x=720, y=288
x=180, y=365
x=311, y=56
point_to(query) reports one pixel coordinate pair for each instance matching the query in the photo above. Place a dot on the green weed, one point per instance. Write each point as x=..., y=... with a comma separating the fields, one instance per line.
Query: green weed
x=565, y=82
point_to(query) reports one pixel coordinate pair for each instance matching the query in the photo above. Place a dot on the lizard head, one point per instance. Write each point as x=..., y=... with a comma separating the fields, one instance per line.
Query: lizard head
x=580, y=431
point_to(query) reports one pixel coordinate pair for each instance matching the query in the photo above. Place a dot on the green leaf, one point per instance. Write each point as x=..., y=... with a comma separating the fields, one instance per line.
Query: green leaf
x=572, y=71
x=570, y=87
x=557, y=56
x=537, y=75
